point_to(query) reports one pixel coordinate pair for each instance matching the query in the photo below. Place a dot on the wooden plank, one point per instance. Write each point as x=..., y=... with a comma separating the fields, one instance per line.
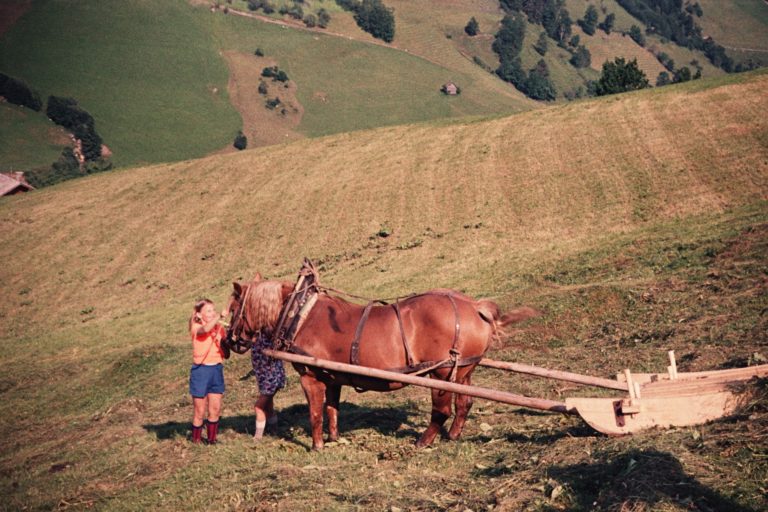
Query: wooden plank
x=605, y=414
x=555, y=374
x=476, y=391
x=729, y=374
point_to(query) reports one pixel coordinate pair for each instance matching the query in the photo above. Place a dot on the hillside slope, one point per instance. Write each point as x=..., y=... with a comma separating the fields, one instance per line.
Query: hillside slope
x=637, y=222
x=561, y=176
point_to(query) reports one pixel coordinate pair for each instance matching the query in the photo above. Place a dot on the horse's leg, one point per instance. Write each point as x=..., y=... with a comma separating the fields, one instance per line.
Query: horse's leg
x=441, y=411
x=463, y=405
x=314, y=390
x=332, y=396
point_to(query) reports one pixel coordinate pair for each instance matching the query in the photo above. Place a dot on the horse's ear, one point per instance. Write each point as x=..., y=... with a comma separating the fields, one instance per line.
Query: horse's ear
x=238, y=289
x=257, y=277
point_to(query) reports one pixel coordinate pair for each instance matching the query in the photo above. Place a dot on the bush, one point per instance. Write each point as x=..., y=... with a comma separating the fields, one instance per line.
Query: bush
x=262, y=87
x=663, y=79
x=259, y=52
x=323, y=18
x=666, y=61
x=310, y=20
x=541, y=44
x=581, y=58
x=538, y=85
x=620, y=76
x=589, y=22
x=19, y=93
x=376, y=19
x=607, y=24
x=637, y=35
x=275, y=73
x=241, y=141
x=473, y=27
x=682, y=75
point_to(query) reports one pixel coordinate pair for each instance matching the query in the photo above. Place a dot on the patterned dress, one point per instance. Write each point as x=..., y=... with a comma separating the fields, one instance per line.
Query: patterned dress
x=270, y=373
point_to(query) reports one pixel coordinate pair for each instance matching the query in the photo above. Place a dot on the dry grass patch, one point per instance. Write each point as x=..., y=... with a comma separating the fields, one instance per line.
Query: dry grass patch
x=262, y=126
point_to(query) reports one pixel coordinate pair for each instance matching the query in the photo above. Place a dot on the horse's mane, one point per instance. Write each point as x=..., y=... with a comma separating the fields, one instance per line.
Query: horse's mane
x=265, y=303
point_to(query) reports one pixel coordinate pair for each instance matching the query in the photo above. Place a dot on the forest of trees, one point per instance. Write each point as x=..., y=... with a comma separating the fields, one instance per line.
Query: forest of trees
x=19, y=93
x=372, y=16
x=673, y=20
x=67, y=113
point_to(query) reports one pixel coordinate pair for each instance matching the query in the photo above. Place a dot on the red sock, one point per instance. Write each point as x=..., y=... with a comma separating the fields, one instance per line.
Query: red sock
x=197, y=433
x=213, y=429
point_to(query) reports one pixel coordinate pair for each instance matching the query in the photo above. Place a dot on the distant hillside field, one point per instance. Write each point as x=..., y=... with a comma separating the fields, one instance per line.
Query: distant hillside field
x=636, y=223
x=147, y=71
x=28, y=139
x=739, y=25
x=155, y=77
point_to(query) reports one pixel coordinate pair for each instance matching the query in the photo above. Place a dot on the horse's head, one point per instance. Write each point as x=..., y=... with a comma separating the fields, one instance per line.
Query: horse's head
x=255, y=308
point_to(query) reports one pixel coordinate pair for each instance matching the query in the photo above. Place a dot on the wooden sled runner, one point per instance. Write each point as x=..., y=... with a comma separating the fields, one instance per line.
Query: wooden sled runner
x=651, y=400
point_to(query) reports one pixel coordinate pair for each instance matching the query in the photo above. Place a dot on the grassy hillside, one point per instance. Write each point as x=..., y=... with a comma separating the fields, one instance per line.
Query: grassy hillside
x=148, y=73
x=740, y=25
x=28, y=139
x=155, y=78
x=637, y=222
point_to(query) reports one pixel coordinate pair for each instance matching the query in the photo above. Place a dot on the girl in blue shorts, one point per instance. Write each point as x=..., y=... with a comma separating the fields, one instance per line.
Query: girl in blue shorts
x=206, y=378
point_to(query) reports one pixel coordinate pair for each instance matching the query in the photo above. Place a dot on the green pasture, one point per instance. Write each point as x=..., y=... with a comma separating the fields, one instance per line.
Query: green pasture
x=147, y=71
x=28, y=139
x=152, y=76
x=364, y=85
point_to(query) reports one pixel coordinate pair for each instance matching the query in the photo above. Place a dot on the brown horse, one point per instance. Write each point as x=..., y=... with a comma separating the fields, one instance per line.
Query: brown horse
x=444, y=329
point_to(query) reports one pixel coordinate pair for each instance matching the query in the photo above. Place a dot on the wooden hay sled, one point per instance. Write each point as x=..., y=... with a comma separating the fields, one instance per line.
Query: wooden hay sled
x=650, y=400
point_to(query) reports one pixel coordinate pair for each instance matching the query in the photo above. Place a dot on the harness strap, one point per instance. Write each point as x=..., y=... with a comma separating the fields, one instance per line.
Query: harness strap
x=354, y=351
x=408, y=358
x=454, y=352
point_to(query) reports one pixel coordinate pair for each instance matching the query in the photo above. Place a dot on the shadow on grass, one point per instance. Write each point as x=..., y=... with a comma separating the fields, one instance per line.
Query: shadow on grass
x=385, y=420
x=638, y=480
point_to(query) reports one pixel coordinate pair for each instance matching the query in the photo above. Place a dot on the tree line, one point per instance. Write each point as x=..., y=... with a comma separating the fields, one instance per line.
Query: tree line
x=373, y=17
x=67, y=113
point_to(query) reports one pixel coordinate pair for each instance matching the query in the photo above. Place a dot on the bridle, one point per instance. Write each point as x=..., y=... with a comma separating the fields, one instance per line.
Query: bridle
x=236, y=337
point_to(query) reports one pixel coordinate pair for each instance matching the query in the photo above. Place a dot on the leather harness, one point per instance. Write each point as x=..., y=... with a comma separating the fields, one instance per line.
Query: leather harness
x=304, y=296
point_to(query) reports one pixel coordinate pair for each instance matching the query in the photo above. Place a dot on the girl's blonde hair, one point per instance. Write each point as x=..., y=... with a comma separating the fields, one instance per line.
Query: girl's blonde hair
x=267, y=303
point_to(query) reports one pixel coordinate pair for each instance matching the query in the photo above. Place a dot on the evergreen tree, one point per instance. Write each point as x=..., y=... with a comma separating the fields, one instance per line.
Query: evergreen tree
x=323, y=18
x=473, y=27
x=637, y=35
x=620, y=76
x=581, y=58
x=509, y=38
x=682, y=75
x=538, y=85
x=663, y=79
x=241, y=141
x=608, y=22
x=19, y=93
x=376, y=19
x=542, y=44
x=589, y=22
x=511, y=71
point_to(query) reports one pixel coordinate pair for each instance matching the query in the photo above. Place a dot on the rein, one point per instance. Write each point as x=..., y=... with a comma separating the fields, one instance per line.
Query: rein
x=240, y=344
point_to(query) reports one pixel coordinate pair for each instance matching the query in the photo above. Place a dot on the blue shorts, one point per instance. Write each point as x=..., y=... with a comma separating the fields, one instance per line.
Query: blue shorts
x=204, y=379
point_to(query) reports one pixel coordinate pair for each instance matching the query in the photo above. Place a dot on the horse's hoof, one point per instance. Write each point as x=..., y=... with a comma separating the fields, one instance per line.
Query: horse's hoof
x=317, y=447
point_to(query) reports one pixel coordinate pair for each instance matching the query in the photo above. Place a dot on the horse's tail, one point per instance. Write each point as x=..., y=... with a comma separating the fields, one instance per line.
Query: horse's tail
x=489, y=311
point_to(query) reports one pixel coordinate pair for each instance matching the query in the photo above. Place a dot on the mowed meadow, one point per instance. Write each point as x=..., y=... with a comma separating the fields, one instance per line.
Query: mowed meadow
x=637, y=223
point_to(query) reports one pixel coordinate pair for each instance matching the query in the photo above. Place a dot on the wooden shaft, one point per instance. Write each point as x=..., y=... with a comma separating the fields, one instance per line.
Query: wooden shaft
x=476, y=391
x=555, y=374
